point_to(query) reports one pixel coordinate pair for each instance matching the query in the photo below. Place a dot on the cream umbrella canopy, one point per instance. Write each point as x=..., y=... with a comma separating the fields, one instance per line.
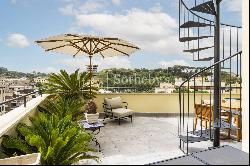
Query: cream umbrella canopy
x=83, y=45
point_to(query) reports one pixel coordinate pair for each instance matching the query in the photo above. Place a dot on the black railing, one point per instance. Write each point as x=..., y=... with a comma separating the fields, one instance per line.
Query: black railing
x=203, y=111
x=22, y=98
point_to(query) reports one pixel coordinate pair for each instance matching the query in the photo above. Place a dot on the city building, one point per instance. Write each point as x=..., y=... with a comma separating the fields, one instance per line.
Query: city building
x=40, y=80
x=199, y=84
x=165, y=88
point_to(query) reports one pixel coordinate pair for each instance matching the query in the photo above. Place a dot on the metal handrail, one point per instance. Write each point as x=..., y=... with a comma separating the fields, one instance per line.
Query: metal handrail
x=24, y=96
x=234, y=26
x=194, y=75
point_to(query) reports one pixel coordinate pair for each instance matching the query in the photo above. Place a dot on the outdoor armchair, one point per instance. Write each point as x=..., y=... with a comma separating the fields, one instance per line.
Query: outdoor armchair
x=115, y=108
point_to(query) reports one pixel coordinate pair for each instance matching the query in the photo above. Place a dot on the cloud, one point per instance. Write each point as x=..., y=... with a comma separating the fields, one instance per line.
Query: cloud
x=68, y=10
x=13, y=1
x=116, y=2
x=153, y=32
x=74, y=8
x=166, y=64
x=157, y=8
x=234, y=5
x=91, y=6
x=17, y=40
x=106, y=63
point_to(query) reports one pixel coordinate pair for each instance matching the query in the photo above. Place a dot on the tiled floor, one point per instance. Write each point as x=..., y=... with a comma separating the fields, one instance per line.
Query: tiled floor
x=146, y=140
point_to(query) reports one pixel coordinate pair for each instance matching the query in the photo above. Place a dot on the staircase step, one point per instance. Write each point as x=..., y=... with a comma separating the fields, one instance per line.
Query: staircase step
x=223, y=68
x=203, y=133
x=185, y=39
x=192, y=139
x=207, y=7
x=226, y=125
x=192, y=24
x=205, y=59
x=197, y=49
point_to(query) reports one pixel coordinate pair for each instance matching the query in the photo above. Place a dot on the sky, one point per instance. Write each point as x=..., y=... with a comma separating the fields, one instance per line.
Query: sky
x=150, y=24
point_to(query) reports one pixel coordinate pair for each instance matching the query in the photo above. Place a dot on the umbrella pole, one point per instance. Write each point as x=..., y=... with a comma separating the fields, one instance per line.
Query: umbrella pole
x=90, y=71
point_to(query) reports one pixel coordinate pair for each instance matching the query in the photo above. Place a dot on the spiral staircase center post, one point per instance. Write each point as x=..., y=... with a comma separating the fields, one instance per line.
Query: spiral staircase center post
x=217, y=71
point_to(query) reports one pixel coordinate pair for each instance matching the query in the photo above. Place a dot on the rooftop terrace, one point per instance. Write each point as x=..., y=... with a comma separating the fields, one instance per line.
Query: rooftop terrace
x=146, y=140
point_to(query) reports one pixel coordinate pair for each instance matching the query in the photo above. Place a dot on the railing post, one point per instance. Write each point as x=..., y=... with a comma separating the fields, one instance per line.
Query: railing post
x=217, y=82
x=25, y=101
x=40, y=92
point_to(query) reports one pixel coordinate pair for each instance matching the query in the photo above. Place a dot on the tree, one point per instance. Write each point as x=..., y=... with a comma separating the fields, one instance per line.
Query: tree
x=74, y=86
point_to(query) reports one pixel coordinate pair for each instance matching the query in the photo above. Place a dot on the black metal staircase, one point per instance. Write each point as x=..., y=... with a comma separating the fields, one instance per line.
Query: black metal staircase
x=195, y=32
x=207, y=7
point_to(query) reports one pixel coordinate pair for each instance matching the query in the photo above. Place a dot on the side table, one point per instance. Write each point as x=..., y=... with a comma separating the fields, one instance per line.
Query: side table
x=94, y=128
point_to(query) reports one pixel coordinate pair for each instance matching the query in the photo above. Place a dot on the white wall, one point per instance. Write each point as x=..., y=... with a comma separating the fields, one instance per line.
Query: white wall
x=245, y=75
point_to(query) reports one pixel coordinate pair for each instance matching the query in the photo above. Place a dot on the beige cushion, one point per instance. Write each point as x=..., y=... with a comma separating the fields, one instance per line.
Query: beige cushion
x=114, y=102
x=122, y=112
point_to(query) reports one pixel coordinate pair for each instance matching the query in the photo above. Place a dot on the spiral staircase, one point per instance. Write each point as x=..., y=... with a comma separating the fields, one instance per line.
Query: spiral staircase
x=217, y=46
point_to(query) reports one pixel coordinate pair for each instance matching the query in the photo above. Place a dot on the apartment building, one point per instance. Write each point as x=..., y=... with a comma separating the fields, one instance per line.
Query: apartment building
x=165, y=88
x=40, y=79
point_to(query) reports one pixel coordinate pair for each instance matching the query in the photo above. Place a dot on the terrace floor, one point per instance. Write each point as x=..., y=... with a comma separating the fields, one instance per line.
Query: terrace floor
x=146, y=140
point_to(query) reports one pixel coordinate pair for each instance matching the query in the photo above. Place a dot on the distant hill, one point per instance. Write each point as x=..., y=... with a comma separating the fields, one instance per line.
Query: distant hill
x=15, y=74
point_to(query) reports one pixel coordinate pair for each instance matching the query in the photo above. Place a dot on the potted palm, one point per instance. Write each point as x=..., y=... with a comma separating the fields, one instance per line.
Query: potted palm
x=91, y=114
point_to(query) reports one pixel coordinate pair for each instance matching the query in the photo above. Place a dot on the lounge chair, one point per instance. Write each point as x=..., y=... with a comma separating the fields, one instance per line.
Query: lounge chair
x=114, y=108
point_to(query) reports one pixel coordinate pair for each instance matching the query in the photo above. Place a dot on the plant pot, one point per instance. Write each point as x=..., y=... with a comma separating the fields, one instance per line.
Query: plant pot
x=92, y=118
x=29, y=159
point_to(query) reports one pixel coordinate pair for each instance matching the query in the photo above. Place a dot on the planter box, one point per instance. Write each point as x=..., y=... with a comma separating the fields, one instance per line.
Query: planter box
x=92, y=118
x=29, y=159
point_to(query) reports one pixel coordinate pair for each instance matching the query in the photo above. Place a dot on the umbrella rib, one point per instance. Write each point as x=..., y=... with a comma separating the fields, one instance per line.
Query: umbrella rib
x=102, y=49
x=95, y=45
x=122, y=44
x=79, y=37
x=85, y=45
x=78, y=50
x=82, y=39
x=115, y=49
x=73, y=35
x=76, y=53
x=77, y=47
x=102, y=54
x=59, y=47
x=46, y=41
x=104, y=39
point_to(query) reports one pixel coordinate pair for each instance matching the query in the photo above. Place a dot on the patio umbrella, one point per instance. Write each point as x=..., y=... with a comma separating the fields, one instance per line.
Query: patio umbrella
x=83, y=45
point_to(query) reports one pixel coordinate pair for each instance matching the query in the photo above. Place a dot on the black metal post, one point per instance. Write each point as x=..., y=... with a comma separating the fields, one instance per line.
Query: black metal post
x=24, y=101
x=217, y=70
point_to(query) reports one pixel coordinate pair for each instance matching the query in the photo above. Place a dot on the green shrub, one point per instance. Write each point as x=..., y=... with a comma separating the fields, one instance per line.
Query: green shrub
x=60, y=141
x=74, y=85
x=62, y=107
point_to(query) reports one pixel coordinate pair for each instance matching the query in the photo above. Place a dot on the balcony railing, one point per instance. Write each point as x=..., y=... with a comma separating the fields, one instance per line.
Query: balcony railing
x=188, y=135
x=23, y=100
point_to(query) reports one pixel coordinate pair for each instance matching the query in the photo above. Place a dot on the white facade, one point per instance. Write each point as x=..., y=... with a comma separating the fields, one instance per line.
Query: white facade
x=40, y=80
x=165, y=88
x=198, y=83
x=16, y=88
x=13, y=81
x=102, y=91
